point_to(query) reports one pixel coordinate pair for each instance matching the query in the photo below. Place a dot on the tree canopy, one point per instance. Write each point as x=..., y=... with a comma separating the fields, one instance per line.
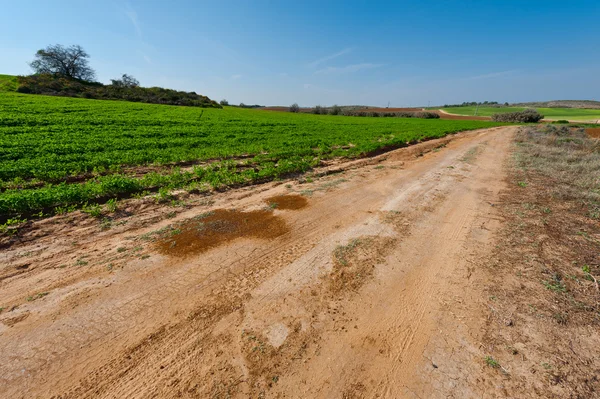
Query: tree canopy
x=70, y=62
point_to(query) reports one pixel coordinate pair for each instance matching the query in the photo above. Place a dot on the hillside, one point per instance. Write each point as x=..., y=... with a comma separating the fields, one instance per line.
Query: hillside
x=8, y=83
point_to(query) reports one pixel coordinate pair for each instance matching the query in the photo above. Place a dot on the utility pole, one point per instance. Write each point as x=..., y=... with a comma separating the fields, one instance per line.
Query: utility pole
x=476, y=109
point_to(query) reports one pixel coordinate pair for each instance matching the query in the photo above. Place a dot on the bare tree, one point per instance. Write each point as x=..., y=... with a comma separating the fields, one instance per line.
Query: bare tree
x=70, y=62
x=294, y=107
x=125, y=81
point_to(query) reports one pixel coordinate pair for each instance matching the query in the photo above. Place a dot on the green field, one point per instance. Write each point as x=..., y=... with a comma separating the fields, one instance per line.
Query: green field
x=57, y=153
x=575, y=114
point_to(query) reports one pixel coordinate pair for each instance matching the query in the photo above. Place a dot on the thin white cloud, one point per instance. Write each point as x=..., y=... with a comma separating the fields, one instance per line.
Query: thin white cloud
x=329, y=57
x=308, y=86
x=133, y=17
x=147, y=59
x=348, y=68
x=235, y=77
x=492, y=75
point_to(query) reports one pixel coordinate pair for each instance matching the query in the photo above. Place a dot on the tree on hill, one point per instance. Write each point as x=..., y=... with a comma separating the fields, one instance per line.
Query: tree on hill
x=70, y=62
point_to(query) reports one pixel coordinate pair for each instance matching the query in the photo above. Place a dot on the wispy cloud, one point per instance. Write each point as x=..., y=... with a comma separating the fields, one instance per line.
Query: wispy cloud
x=145, y=57
x=133, y=17
x=491, y=75
x=330, y=57
x=348, y=68
x=235, y=77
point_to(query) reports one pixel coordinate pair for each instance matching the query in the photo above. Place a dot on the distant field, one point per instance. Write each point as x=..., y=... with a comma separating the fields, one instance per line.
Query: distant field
x=58, y=152
x=549, y=113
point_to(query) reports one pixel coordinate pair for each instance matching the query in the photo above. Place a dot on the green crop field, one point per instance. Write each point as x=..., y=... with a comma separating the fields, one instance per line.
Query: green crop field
x=60, y=153
x=575, y=114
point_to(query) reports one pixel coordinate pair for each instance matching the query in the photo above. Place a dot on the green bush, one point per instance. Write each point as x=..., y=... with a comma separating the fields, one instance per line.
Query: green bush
x=526, y=116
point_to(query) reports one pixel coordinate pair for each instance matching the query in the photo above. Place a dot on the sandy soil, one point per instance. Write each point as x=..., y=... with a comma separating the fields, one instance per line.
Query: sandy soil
x=360, y=283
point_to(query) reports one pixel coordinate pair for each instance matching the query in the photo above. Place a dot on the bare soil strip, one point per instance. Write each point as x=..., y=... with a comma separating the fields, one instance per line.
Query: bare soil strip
x=372, y=283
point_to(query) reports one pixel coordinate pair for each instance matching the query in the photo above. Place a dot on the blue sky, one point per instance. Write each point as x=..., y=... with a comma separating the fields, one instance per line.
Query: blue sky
x=324, y=52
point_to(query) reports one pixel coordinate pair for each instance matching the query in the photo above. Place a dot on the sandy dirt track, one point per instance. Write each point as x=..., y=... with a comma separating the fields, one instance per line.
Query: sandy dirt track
x=368, y=288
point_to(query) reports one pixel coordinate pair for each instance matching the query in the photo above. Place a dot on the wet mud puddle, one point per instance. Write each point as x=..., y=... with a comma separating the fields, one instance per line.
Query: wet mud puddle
x=221, y=226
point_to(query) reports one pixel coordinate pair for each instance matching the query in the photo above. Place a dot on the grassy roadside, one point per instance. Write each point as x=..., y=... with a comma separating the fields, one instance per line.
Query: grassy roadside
x=543, y=328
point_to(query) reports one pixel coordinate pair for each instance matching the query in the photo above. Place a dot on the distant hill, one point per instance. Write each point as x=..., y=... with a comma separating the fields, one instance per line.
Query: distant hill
x=561, y=104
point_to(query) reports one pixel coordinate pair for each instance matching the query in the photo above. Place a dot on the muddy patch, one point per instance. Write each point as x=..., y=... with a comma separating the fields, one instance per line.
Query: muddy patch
x=219, y=227
x=287, y=202
x=593, y=132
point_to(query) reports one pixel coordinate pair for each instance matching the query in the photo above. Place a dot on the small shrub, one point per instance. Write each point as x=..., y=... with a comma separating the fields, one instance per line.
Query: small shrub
x=526, y=116
x=335, y=110
x=294, y=108
x=426, y=115
x=490, y=361
x=317, y=110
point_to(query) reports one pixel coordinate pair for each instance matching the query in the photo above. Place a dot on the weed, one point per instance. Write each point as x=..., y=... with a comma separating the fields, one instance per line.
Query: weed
x=163, y=195
x=490, y=361
x=10, y=227
x=341, y=252
x=105, y=224
x=522, y=184
x=111, y=205
x=94, y=210
x=121, y=249
x=171, y=215
x=36, y=296
x=555, y=284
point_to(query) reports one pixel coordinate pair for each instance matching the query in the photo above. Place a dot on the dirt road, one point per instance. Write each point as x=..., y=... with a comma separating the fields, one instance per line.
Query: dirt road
x=362, y=283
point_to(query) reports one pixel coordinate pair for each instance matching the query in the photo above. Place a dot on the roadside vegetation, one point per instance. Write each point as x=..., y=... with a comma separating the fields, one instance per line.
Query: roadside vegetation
x=58, y=154
x=578, y=114
x=545, y=296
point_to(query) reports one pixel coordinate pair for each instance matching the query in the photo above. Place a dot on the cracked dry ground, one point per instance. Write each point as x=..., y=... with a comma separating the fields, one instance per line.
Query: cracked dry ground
x=359, y=283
